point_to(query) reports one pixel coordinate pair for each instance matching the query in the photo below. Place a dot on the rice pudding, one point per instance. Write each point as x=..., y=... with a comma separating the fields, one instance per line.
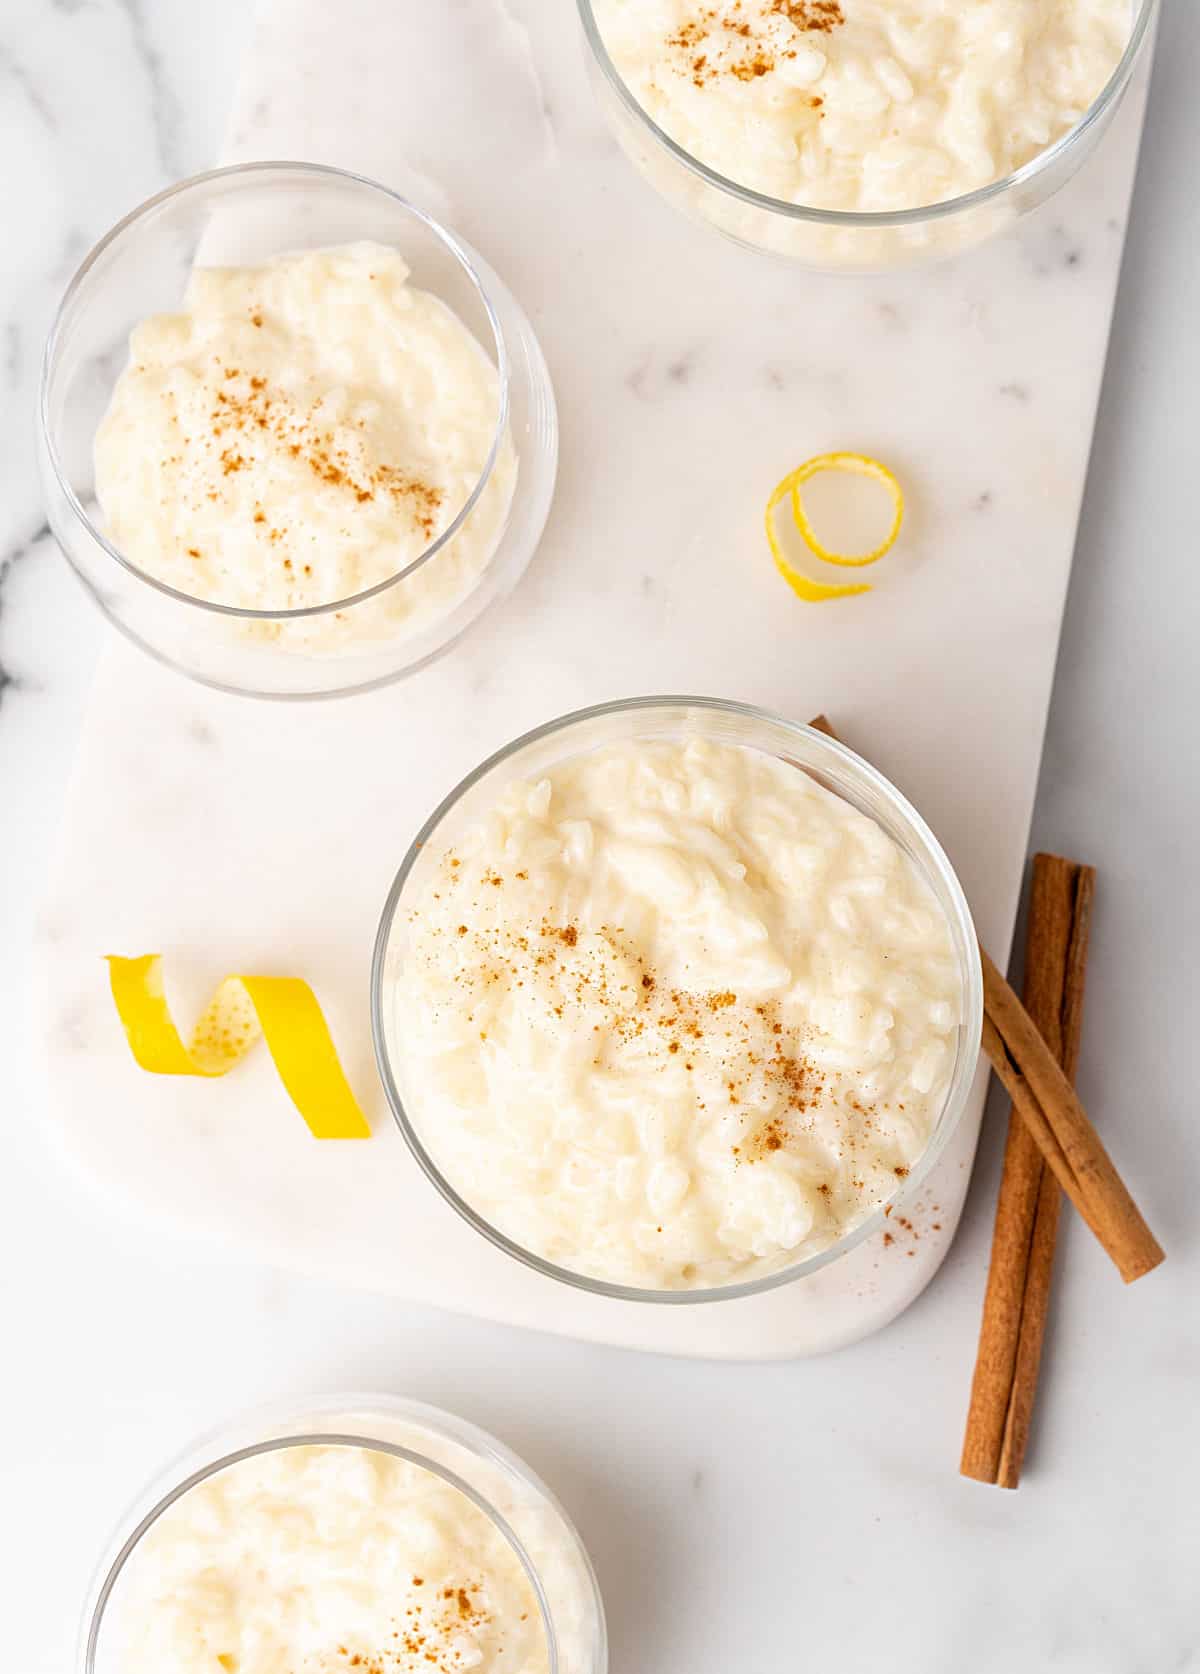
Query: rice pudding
x=323, y=1559
x=673, y=1014
x=864, y=105
x=300, y=432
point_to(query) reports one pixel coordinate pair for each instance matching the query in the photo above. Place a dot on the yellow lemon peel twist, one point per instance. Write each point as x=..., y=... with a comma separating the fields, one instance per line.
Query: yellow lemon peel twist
x=856, y=464
x=282, y=1010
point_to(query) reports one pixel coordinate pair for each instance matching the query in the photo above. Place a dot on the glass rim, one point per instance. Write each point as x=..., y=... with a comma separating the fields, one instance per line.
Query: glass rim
x=957, y=1091
x=334, y=1438
x=860, y=220
x=128, y=222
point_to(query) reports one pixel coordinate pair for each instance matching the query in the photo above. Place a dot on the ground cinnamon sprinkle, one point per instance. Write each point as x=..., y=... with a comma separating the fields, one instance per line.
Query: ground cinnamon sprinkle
x=821, y=15
x=248, y=407
x=750, y=68
x=760, y=1064
x=722, y=40
x=430, y=1636
x=743, y=1056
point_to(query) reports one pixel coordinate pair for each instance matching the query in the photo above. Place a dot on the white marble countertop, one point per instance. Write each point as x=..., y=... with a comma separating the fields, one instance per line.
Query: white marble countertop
x=735, y=1513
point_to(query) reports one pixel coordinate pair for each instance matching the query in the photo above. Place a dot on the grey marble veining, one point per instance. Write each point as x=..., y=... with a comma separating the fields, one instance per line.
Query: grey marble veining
x=101, y=103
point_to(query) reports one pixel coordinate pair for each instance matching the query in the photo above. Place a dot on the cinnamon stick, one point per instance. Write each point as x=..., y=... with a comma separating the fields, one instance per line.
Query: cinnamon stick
x=1049, y=1107
x=1047, y=1104
x=1017, y=1299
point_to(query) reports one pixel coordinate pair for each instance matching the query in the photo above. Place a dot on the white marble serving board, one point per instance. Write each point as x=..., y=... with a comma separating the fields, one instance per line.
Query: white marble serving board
x=235, y=835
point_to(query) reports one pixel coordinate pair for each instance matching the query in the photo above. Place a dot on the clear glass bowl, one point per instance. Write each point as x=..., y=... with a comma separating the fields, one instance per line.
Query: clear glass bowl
x=499, y=1484
x=840, y=241
x=244, y=216
x=674, y=718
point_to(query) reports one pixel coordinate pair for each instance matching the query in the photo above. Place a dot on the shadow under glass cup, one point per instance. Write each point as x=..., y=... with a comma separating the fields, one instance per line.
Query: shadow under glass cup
x=498, y=1484
x=850, y=241
x=673, y=719
x=245, y=216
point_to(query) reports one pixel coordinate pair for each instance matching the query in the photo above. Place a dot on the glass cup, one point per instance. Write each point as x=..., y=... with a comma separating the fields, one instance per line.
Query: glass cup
x=245, y=216
x=674, y=719
x=497, y=1483
x=842, y=241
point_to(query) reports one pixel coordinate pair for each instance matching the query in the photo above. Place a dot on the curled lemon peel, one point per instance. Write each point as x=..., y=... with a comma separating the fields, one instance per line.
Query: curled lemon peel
x=282, y=1010
x=856, y=464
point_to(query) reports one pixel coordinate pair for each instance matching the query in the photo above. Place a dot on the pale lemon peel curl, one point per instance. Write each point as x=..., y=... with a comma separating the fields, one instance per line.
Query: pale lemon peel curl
x=282, y=1010
x=857, y=464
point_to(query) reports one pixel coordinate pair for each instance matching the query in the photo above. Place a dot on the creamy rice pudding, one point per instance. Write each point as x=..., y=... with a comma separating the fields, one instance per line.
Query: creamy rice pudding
x=321, y=1559
x=674, y=1015
x=864, y=105
x=300, y=432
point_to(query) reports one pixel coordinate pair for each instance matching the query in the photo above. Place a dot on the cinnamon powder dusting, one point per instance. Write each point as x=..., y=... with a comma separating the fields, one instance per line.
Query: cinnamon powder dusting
x=723, y=41
x=759, y=1061
x=429, y=1637
x=248, y=411
x=733, y=1053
